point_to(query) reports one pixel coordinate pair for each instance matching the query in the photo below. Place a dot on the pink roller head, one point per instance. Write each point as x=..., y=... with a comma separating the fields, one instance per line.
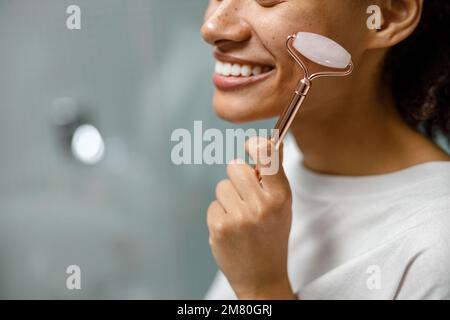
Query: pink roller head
x=322, y=50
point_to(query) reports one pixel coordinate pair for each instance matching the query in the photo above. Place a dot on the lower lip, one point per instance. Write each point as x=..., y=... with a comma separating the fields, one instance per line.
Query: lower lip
x=233, y=83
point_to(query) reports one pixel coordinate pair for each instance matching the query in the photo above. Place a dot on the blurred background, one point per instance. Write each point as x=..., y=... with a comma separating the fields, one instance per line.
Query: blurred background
x=85, y=172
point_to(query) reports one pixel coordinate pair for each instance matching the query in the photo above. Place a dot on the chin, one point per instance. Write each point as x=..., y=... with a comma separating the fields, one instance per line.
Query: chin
x=238, y=110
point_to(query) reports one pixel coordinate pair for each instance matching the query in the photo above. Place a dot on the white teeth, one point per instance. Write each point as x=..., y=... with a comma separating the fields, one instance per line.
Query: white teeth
x=246, y=71
x=237, y=70
x=218, y=68
x=226, y=69
x=257, y=71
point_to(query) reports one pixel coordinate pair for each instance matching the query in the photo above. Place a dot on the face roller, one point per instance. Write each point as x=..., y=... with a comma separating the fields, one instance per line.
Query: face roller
x=322, y=51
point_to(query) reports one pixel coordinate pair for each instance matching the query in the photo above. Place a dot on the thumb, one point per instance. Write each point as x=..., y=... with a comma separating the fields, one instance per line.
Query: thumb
x=268, y=160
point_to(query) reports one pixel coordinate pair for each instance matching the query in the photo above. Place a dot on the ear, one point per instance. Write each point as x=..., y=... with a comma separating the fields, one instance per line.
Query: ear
x=400, y=19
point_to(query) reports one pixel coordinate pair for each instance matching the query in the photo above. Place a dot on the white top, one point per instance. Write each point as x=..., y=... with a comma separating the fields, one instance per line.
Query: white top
x=373, y=237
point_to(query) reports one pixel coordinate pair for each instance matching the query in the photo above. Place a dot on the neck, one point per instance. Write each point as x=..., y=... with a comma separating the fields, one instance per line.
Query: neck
x=364, y=135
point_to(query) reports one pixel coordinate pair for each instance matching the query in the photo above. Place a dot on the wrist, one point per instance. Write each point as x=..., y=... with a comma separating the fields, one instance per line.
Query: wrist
x=274, y=291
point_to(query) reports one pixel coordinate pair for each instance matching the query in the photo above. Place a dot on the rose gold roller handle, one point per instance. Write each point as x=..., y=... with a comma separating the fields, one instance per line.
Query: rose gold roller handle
x=287, y=117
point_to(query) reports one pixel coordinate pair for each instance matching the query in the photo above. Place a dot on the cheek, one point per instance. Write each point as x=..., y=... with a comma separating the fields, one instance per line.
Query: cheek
x=273, y=36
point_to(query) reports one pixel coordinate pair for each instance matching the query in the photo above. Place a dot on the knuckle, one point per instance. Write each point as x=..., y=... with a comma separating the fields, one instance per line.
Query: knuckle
x=231, y=167
x=235, y=166
x=213, y=206
x=222, y=186
x=242, y=222
x=213, y=210
x=210, y=215
x=219, y=230
x=280, y=198
x=274, y=201
x=285, y=193
x=267, y=206
x=259, y=208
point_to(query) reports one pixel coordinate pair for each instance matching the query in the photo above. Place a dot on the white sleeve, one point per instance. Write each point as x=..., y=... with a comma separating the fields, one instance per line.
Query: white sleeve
x=220, y=289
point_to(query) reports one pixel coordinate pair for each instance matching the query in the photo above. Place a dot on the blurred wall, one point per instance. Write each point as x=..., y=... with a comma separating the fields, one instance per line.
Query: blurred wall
x=134, y=222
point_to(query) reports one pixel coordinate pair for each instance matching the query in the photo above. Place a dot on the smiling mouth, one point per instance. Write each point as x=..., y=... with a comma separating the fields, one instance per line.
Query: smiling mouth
x=237, y=70
x=231, y=73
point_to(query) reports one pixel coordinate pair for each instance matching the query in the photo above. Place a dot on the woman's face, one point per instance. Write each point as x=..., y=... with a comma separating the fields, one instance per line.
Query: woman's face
x=255, y=76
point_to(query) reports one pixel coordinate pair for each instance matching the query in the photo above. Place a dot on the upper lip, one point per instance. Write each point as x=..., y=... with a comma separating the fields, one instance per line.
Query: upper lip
x=233, y=60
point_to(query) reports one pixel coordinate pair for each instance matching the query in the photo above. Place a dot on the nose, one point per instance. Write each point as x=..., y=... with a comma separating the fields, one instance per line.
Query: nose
x=224, y=24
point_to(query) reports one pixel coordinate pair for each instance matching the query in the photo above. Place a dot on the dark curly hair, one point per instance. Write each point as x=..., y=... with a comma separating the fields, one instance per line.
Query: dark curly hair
x=418, y=71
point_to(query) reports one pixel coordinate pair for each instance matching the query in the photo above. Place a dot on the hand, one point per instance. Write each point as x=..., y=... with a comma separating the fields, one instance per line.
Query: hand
x=249, y=226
